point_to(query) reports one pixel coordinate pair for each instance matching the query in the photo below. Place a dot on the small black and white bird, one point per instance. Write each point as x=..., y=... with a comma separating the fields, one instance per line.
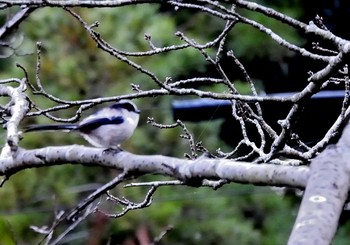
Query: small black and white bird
x=106, y=128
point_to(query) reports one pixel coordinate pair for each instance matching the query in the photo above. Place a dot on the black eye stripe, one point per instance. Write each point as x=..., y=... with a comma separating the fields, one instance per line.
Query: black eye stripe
x=125, y=105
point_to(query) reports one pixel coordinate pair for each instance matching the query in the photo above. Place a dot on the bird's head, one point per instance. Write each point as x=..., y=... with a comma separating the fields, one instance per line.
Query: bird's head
x=127, y=105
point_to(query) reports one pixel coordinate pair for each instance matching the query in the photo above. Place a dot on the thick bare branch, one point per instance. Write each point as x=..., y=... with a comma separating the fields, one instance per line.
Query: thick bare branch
x=183, y=169
x=17, y=109
x=325, y=195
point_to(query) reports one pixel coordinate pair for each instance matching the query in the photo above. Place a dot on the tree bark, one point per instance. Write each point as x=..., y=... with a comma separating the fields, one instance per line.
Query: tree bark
x=325, y=194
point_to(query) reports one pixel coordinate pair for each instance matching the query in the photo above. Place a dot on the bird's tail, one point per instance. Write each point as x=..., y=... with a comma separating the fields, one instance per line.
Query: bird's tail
x=48, y=127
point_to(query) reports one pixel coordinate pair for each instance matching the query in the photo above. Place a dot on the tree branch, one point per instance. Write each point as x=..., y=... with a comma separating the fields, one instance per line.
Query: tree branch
x=325, y=195
x=183, y=169
x=15, y=20
x=84, y=3
x=16, y=109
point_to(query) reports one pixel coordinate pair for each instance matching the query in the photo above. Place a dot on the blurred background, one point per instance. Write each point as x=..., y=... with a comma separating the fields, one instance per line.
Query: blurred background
x=73, y=68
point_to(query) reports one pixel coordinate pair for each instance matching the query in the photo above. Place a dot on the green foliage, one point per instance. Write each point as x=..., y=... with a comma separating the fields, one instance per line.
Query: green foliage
x=7, y=236
x=342, y=236
x=250, y=43
x=240, y=213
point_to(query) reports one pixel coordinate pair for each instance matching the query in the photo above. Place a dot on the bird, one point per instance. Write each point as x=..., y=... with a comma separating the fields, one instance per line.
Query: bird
x=106, y=128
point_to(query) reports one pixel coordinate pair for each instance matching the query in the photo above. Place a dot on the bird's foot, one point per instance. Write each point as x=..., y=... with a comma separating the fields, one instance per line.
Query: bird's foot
x=113, y=150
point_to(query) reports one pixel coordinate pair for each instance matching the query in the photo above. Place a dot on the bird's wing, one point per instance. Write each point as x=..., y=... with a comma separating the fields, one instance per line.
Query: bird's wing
x=88, y=125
